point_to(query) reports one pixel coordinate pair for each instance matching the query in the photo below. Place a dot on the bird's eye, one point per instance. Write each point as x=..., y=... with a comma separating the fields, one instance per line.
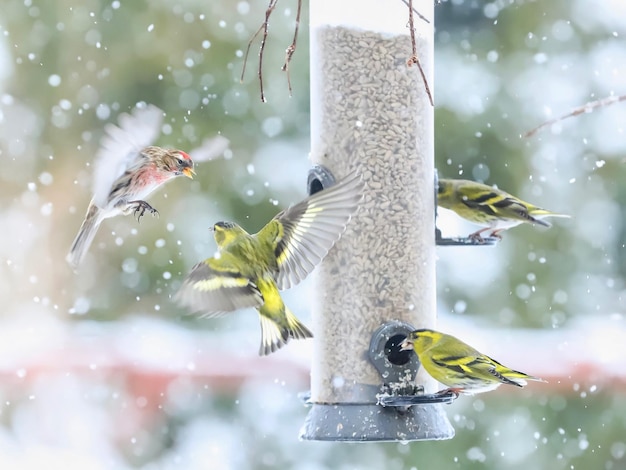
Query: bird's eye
x=179, y=161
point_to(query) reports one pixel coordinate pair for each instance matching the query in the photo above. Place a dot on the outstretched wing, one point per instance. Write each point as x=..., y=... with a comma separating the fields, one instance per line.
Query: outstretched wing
x=215, y=286
x=121, y=145
x=311, y=228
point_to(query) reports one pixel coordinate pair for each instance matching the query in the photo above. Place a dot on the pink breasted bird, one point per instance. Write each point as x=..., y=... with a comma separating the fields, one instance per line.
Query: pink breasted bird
x=127, y=170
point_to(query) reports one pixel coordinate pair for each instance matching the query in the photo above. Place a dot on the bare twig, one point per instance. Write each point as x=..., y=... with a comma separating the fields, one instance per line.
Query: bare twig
x=245, y=57
x=264, y=27
x=409, y=4
x=586, y=108
x=292, y=47
x=413, y=60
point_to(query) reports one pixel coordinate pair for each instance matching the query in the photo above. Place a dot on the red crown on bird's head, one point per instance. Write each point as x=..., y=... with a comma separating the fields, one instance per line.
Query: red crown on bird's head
x=185, y=155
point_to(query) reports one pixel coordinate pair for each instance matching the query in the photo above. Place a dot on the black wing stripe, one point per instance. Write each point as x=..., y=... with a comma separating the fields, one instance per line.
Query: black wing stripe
x=479, y=206
x=446, y=361
x=482, y=199
x=506, y=202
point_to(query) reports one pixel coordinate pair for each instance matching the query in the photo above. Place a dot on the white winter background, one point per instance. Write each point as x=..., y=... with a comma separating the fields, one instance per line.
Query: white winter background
x=100, y=370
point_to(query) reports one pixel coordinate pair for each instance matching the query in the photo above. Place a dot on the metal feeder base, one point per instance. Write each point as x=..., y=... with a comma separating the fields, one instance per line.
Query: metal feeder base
x=371, y=422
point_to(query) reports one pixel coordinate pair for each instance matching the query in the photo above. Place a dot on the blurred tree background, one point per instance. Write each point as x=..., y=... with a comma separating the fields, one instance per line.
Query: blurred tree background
x=501, y=68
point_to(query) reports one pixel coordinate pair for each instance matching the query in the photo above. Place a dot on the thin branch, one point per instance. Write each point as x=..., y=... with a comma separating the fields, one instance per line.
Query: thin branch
x=264, y=27
x=266, y=24
x=413, y=60
x=245, y=57
x=409, y=3
x=586, y=108
x=292, y=47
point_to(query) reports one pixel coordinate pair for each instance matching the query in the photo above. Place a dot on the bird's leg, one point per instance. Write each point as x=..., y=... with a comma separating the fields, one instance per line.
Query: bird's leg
x=496, y=234
x=140, y=208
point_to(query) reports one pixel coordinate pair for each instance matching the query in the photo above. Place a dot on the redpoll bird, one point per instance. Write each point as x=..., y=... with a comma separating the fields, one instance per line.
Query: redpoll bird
x=127, y=171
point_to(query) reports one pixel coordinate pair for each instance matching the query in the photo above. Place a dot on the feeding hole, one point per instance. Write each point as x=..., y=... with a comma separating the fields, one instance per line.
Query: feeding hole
x=319, y=178
x=393, y=352
x=315, y=186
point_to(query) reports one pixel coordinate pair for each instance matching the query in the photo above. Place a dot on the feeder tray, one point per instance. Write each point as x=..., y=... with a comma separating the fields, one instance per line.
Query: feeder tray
x=397, y=410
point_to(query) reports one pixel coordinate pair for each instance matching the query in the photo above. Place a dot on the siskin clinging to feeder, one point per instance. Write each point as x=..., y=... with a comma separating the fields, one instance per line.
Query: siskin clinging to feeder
x=249, y=270
x=459, y=366
x=489, y=207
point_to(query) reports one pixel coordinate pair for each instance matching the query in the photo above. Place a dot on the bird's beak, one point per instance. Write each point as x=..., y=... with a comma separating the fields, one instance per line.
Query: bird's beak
x=188, y=172
x=406, y=345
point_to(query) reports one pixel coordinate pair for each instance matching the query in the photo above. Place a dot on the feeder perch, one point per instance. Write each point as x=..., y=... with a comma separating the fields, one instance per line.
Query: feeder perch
x=463, y=241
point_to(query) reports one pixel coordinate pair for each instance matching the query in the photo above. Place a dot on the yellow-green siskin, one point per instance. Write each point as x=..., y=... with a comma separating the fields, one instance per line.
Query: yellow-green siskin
x=489, y=207
x=459, y=366
x=249, y=270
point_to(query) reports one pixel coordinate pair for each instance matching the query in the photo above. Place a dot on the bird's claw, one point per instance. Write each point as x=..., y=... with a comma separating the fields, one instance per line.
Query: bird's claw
x=446, y=391
x=475, y=237
x=141, y=207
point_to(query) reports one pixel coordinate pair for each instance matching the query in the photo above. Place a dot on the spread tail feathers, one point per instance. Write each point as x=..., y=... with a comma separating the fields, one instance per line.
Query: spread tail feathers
x=275, y=336
x=297, y=330
x=85, y=236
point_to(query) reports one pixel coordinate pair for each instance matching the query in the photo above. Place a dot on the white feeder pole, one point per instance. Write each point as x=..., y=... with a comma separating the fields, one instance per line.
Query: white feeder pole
x=370, y=112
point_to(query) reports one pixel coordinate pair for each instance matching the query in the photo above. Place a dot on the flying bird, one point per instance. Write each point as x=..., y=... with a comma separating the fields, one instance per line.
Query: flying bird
x=250, y=270
x=127, y=170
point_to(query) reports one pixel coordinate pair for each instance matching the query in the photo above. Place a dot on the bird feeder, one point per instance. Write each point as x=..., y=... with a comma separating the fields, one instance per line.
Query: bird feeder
x=370, y=113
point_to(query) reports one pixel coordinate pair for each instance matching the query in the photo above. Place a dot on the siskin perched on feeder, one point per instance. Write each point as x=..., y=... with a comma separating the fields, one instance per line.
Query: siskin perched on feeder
x=459, y=366
x=489, y=207
x=127, y=171
x=249, y=270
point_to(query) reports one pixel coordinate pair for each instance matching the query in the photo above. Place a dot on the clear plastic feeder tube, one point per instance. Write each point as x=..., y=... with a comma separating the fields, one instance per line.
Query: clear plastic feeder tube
x=370, y=112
